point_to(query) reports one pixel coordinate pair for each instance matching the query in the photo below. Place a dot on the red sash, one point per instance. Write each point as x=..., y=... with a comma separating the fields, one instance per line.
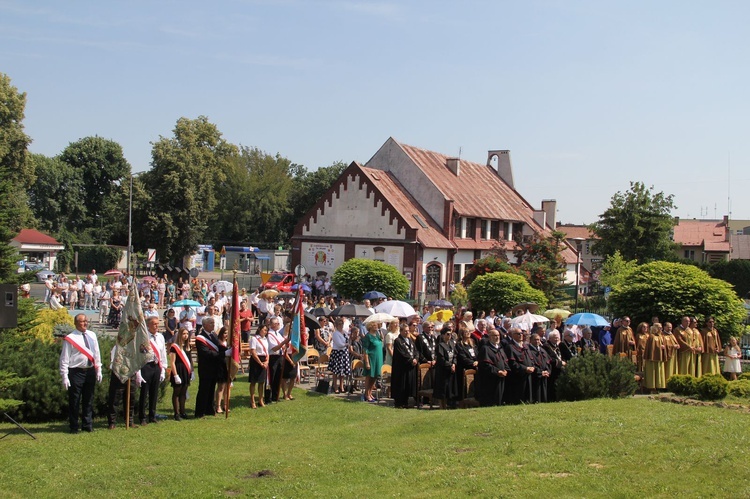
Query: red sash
x=181, y=354
x=265, y=351
x=156, y=352
x=85, y=351
x=207, y=343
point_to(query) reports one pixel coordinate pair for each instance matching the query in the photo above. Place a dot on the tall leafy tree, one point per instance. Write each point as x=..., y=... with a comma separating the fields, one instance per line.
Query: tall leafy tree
x=56, y=198
x=309, y=186
x=100, y=165
x=638, y=223
x=182, y=185
x=15, y=172
x=540, y=260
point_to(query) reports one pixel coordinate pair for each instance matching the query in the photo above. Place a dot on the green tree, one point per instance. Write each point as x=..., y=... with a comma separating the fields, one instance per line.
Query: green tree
x=673, y=290
x=735, y=272
x=501, y=291
x=357, y=276
x=615, y=270
x=541, y=261
x=15, y=173
x=57, y=196
x=309, y=187
x=182, y=184
x=100, y=165
x=496, y=261
x=638, y=224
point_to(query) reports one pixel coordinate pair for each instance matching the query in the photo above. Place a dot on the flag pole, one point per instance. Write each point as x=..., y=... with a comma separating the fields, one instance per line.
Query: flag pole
x=127, y=405
x=233, y=341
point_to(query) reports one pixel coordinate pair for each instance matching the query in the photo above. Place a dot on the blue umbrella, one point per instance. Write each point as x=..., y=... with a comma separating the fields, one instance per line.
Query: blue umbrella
x=587, y=319
x=305, y=287
x=373, y=295
x=440, y=303
x=186, y=303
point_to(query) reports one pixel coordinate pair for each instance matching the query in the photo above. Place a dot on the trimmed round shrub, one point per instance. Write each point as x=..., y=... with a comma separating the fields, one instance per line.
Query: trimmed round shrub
x=597, y=376
x=712, y=387
x=744, y=376
x=682, y=384
x=739, y=388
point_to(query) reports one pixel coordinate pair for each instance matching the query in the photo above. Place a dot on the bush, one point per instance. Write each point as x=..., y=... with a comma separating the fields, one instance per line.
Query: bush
x=745, y=375
x=597, y=376
x=682, y=384
x=46, y=320
x=739, y=388
x=43, y=396
x=357, y=276
x=712, y=387
x=502, y=291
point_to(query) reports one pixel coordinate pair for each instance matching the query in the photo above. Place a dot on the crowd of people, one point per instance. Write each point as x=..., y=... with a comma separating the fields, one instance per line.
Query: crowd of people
x=428, y=359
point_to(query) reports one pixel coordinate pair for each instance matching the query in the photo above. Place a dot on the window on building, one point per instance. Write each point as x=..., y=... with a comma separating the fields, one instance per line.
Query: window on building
x=690, y=254
x=458, y=273
x=471, y=232
x=495, y=230
x=483, y=228
x=457, y=227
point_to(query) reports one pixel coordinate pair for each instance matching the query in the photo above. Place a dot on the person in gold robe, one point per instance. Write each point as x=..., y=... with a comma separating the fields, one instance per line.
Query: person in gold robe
x=670, y=366
x=711, y=348
x=654, y=357
x=641, y=338
x=686, y=358
x=624, y=341
x=697, y=348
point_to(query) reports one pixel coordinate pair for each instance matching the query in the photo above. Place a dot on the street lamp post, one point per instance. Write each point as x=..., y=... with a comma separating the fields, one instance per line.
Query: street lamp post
x=579, y=244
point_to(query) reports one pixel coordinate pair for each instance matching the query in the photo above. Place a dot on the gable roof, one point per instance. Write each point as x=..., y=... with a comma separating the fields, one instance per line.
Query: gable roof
x=33, y=236
x=711, y=234
x=576, y=231
x=505, y=203
x=410, y=211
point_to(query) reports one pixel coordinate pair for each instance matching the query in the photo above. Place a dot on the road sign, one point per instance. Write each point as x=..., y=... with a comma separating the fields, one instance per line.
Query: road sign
x=300, y=270
x=151, y=255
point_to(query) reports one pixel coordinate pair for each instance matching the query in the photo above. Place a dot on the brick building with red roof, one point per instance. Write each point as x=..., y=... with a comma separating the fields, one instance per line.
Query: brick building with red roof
x=419, y=211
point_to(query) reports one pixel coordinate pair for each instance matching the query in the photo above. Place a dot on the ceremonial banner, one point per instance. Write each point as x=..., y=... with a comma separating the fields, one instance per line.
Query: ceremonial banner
x=298, y=341
x=234, y=338
x=133, y=350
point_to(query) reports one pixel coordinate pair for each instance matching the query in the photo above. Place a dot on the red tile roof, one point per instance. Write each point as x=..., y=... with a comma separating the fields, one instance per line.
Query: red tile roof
x=575, y=231
x=430, y=236
x=33, y=236
x=505, y=203
x=711, y=234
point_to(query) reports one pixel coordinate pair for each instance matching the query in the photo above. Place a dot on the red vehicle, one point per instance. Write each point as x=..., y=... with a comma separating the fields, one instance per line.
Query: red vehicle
x=281, y=281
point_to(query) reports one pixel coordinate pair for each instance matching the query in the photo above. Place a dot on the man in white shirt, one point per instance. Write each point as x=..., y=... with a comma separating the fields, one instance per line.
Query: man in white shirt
x=88, y=295
x=81, y=369
x=276, y=342
x=188, y=319
x=153, y=373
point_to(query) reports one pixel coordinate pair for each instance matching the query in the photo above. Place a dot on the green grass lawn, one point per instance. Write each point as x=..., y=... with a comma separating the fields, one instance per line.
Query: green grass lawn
x=322, y=446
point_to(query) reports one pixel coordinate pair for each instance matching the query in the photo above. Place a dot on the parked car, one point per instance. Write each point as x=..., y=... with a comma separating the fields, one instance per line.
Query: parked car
x=281, y=281
x=42, y=275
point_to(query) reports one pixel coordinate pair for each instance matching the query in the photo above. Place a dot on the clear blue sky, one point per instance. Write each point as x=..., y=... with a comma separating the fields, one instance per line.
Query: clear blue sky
x=587, y=95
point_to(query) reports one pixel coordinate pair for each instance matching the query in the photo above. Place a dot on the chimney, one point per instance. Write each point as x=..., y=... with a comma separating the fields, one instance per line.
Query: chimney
x=453, y=165
x=540, y=217
x=549, y=206
x=504, y=167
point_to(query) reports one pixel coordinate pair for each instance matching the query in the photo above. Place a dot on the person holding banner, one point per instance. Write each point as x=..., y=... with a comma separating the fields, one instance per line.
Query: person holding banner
x=181, y=360
x=153, y=373
x=81, y=369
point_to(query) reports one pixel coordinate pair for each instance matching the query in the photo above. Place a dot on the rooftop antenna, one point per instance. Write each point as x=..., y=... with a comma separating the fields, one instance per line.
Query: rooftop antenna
x=459, y=152
x=729, y=183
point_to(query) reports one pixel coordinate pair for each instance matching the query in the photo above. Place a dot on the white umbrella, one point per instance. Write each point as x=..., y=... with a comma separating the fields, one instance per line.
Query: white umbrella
x=225, y=286
x=527, y=320
x=380, y=317
x=396, y=308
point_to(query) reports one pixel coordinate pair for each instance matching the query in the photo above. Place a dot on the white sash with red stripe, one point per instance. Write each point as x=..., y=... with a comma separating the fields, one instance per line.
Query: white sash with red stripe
x=85, y=351
x=181, y=354
x=156, y=352
x=207, y=343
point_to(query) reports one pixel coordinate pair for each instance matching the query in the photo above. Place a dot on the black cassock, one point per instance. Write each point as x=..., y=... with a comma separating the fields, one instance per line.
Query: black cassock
x=538, y=380
x=518, y=384
x=404, y=373
x=492, y=360
x=445, y=379
x=555, y=365
x=209, y=365
x=466, y=355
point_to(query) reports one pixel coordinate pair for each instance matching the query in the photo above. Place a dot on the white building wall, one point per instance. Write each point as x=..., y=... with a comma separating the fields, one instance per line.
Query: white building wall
x=438, y=256
x=392, y=255
x=355, y=216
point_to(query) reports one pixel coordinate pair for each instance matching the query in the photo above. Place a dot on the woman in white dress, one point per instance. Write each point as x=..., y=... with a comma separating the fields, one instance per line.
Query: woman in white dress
x=732, y=356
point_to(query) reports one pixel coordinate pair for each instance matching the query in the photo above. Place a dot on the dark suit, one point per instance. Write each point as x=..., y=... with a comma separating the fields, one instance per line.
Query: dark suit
x=568, y=351
x=209, y=366
x=518, y=386
x=466, y=355
x=492, y=360
x=555, y=364
x=538, y=379
x=587, y=346
x=404, y=371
